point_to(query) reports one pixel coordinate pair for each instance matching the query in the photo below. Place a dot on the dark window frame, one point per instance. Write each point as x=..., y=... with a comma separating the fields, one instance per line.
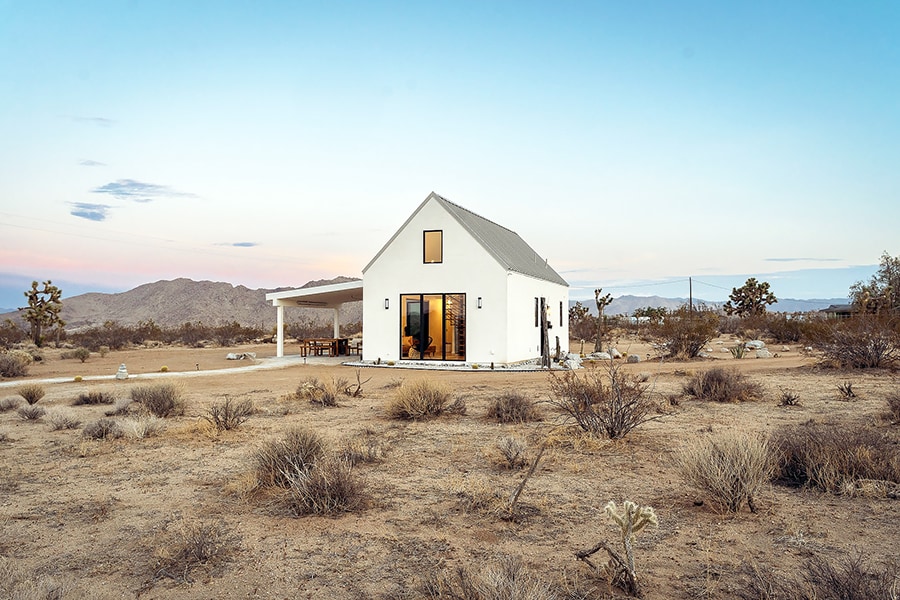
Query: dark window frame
x=425, y=247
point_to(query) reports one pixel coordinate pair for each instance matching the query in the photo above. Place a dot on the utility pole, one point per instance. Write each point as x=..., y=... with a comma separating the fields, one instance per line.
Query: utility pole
x=691, y=297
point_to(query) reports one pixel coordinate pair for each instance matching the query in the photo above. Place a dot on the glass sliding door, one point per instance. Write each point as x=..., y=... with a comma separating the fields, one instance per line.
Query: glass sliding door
x=433, y=327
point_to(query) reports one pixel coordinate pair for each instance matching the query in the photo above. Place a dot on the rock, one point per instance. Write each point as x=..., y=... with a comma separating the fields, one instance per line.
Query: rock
x=755, y=345
x=599, y=356
x=572, y=364
x=763, y=353
x=240, y=356
x=615, y=353
x=725, y=350
x=704, y=354
x=785, y=349
x=633, y=358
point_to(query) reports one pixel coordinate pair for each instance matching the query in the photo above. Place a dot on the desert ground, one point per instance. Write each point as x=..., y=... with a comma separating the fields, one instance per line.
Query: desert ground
x=99, y=517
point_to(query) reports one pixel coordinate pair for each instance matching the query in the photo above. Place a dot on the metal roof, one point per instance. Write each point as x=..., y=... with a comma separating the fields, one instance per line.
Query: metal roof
x=505, y=245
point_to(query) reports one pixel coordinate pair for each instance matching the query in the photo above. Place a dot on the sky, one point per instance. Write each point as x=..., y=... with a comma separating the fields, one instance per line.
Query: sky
x=633, y=144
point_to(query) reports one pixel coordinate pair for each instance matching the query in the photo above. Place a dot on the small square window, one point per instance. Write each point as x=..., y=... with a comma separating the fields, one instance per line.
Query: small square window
x=434, y=246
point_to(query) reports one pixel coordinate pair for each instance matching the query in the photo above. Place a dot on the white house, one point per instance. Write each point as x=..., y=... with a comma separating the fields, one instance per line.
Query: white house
x=450, y=286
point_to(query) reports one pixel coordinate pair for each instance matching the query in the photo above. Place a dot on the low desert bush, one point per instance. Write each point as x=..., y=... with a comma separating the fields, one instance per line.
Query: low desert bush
x=160, y=400
x=506, y=578
x=317, y=392
x=18, y=582
x=789, y=398
x=838, y=459
x=9, y=403
x=81, y=354
x=423, y=399
x=14, y=363
x=684, y=333
x=297, y=450
x=121, y=407
x=860, y=342
x=229, y=414
x=59, y=420
x=103, y=429
x=144, y=427
x=30, y=412
x=31, y=392
x=201, y=544
x=731, y=468
x=722, y=385
x=367, y=447
x=512, y=407
x=93, y=397
x=893, y=405
x=328, y=487
x=513, y=452
x=848, y=578
x=607, y=402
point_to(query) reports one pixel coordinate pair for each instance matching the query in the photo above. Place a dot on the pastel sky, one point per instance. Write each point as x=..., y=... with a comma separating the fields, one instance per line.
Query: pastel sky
x=634, y=144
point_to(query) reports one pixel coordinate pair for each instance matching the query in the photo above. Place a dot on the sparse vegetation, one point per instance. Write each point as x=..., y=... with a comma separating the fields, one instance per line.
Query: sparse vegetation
x=846, y=390
x=9, y=403
x=860, y=342
x=366, y=447
x=161, y=400
x=328, y=487
x=789, y=398
x=731, y=468
x=81, y=354
x=893, y=405
x=59, y=420
x=684, y=332
x=316, y=392
x=94, y=397
x=30, y=412
x=297, y=450
x=838, y=459
x=14, y=363
x=512, y=407
x=513, y=451
x=144, y=427
x=31, y=392
x=507, y=578
x=209, y=544
x=103, y=429
x=611, y=403
x=423, y=399
x=229, y=414
x=722, y=385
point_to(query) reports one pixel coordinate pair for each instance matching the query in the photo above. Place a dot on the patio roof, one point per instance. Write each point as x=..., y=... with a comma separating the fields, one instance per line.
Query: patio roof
x=322, y=296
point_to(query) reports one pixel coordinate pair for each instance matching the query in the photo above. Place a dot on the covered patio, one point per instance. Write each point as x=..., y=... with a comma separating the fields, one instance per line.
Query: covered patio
x=325, y=296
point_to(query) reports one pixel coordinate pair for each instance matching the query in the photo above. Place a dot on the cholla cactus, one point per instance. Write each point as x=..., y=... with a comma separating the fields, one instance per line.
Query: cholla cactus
x=631, y=519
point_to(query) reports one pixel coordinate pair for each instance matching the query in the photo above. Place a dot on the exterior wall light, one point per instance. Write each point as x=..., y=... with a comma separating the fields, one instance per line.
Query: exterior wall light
x=479, y=301
x=387, y=303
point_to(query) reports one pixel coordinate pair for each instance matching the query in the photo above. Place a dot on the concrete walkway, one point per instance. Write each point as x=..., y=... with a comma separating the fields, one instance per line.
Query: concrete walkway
x=259, y=364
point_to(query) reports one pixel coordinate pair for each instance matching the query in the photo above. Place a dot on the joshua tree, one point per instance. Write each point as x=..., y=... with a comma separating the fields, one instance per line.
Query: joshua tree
x=43, y=309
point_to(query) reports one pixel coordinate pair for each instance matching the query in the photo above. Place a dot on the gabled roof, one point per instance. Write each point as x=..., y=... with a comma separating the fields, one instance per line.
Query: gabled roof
x=505, y=245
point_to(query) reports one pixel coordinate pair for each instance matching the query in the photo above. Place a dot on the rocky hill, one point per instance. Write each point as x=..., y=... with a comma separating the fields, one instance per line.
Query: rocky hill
x=171, y=303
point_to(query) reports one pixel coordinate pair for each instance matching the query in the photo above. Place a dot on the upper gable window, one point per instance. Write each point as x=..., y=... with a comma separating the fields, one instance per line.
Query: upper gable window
x=434, y=246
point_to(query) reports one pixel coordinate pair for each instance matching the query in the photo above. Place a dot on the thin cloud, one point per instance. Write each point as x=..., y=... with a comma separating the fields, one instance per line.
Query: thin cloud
x=91, y=163
x=138, y=191
x=101, y=121
x=238, y=244
x=806, y=259
x=91, y=212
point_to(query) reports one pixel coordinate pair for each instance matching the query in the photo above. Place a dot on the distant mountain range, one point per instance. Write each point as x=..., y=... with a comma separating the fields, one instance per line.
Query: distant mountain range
x=171, y=303
x=626, y=305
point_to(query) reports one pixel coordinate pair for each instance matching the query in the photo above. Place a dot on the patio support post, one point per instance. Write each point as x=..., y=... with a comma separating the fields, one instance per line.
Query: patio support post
x=279, y=336
x=337, y=322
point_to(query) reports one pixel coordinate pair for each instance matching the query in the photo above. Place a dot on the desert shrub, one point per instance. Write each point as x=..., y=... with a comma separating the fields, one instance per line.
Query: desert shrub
x=18, y=582
x=848, y=578
x=722, y=385
x=316, y=392
x=103, y=429
x=161, y=400
x=9, y=403
x=893, y=403
x=860, y=342
x=144, y=427
x=684, y=333
x=840, y=459
x=299, y=449
x=789, y=398
x=201, y=544
x=731, y=468
x=513, y=452
x=846, y=390
x=423, y=399
x=11, y=334
x=328, y=487
x=30, y=412
x=31, y=392
x=121, y=407
x=785, y=328
x=81, y=354
x=506, y=578
x=14, y=363
x=230, y=414
x=512, y=407
x=366, y=447
x=93, y=397
x=62, y=420
x=610, y=403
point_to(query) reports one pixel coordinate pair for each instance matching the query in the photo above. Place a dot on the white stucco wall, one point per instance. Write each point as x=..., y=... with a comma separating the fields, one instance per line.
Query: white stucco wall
x=502, y=331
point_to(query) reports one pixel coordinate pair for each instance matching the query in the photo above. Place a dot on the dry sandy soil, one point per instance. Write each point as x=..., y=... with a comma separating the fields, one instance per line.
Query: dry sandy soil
x=97, y=516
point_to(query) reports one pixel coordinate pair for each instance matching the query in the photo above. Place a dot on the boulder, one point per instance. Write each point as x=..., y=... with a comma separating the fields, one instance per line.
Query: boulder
x=755, y=345
x=615, y=353
x=633, y=358
x=599, y=356
x=763, y=353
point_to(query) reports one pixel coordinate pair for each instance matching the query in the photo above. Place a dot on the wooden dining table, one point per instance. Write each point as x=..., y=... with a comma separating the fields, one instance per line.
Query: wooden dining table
x=319, y=346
